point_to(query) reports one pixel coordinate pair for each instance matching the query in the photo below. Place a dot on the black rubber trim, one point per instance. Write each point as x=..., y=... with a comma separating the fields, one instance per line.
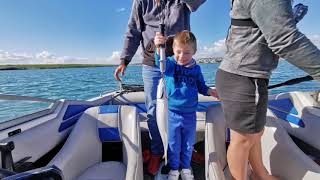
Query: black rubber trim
x=243, y=22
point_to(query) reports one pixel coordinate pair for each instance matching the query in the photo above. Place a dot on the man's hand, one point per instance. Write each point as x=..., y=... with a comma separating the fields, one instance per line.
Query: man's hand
x=157, y=2
x=159, y=39
x=120, y=69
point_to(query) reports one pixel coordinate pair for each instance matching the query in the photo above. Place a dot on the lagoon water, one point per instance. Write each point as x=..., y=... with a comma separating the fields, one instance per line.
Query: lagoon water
x=86, y=83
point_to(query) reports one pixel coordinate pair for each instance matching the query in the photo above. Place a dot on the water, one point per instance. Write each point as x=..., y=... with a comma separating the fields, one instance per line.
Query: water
x=86, y=83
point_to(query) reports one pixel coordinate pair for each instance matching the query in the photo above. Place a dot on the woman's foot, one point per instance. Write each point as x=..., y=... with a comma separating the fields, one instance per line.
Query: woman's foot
x=253, y=176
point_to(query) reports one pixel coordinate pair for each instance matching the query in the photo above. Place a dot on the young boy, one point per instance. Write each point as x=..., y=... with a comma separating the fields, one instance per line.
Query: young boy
x=184, y=80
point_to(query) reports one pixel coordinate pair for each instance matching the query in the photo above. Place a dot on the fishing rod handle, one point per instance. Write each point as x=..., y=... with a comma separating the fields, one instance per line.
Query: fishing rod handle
x=162, y=31
x=162, y=59
x=162, y=50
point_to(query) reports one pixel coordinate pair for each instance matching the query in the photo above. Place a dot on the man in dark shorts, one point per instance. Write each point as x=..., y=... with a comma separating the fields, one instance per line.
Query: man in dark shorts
x=260, y=33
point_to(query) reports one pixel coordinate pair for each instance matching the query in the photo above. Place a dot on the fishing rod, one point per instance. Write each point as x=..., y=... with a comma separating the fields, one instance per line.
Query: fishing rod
x=162, y=52
x=292, y=82
x=286, y=83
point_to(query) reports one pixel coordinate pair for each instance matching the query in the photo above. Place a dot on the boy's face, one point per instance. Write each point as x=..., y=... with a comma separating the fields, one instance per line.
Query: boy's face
x=183, y=53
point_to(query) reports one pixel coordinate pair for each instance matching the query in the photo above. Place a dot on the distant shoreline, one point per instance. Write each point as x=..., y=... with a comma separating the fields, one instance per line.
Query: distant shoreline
x=209, y=60
x=50, y=66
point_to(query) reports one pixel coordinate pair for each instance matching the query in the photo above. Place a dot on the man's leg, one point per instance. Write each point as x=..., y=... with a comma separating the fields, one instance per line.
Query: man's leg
x=151, y=76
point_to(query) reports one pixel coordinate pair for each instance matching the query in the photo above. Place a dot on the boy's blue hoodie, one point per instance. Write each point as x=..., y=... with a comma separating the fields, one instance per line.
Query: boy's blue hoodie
x=183, y=85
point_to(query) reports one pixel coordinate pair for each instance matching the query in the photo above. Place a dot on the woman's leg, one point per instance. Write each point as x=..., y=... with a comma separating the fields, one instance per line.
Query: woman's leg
x=244, y=102
x=255, y=159
x=256, y=162
x=238, y=154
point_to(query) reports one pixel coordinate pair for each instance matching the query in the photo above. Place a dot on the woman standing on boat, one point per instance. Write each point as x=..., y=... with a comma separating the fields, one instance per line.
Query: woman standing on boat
x=260, y=33
x=146, y=15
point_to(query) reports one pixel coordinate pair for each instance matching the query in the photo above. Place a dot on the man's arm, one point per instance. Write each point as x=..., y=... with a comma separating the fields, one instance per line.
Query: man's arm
x=275, y=20
x=133, y=35
x=132, y=39
x=193, y=5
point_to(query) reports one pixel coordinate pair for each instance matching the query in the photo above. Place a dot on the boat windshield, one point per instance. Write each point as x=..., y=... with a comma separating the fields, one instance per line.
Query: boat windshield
x=15, y=107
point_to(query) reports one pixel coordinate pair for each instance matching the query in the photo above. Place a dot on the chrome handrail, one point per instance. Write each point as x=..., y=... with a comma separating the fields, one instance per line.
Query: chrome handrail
x=24, y=98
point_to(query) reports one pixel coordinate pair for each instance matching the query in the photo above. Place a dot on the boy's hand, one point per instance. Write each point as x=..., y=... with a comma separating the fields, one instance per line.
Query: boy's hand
x=159, y=39
x=213, y=93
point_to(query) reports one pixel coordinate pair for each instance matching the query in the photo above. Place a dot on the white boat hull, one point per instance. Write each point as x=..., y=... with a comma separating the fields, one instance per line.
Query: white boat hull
x=39, y=135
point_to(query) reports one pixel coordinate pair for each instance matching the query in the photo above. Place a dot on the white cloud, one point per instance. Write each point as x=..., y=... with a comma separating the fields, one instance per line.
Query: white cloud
x=120, y=10
x=45, y=57
x=315, y=39
x=14, y=58
x=216, y=49
x=115, y=57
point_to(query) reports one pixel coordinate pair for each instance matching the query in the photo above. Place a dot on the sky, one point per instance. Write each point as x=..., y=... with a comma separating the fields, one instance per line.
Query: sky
x=92, y=31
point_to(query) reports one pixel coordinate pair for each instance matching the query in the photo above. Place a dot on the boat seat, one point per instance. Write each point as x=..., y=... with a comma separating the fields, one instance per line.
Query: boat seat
x=81, y=155
x=299, y=113
x=280, y=154
x=215, y=144
x=108, y=170
x=282, y=157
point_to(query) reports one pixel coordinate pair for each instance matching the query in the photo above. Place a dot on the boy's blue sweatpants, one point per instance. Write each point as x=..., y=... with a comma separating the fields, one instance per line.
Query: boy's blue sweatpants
x=181, y=136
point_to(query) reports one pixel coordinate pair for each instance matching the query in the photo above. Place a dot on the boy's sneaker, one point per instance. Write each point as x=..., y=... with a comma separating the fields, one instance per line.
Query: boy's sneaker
x=154, y=164
x=186, y=174
x=173, y=175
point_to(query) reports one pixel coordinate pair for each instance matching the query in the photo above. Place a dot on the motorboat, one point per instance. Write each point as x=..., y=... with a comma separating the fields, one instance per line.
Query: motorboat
x=107, y=137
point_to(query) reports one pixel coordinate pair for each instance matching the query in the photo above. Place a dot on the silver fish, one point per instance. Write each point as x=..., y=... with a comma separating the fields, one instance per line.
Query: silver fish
x=162, y=115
